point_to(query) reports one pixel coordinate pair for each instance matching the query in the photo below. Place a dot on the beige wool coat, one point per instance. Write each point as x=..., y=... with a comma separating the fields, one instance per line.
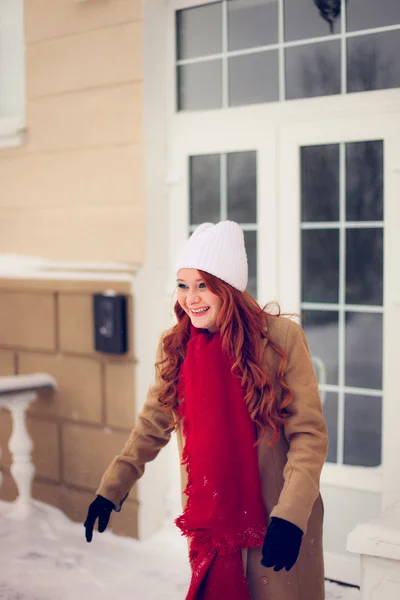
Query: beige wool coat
x=290, y=470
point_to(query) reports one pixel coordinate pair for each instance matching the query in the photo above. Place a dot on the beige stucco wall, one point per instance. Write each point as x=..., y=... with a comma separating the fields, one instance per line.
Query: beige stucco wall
x=74, y=190
x=47, y=326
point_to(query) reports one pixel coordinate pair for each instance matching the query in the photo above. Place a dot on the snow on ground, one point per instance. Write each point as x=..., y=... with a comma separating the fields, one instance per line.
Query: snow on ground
x=44, y=556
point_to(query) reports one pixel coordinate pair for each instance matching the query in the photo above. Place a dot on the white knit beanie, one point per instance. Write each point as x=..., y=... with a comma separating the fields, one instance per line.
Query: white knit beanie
x=219, y=250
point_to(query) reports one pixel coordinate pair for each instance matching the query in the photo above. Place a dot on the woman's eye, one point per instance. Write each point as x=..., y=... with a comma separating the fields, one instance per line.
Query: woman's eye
x=181, y=286
x=202, y=286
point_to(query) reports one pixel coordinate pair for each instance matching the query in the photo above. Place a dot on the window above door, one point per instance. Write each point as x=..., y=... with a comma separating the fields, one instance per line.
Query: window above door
x=241, y=52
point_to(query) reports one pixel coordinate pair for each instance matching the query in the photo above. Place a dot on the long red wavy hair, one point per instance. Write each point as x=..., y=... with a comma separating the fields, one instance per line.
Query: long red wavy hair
x=241, y=323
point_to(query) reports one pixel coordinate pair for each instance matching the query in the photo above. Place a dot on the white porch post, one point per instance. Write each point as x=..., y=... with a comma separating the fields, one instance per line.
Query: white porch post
x=16, y=393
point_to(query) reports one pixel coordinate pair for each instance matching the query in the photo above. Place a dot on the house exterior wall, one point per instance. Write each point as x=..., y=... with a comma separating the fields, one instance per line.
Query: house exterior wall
x=78, y=195
x=77, y=429
x=74, y=190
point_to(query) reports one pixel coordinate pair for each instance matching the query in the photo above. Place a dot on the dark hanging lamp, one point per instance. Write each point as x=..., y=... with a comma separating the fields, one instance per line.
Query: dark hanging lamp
x=329, y=10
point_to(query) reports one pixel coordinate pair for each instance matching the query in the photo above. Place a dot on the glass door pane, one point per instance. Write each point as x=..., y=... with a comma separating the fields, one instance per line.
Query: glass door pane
x=342, y=233
x=224, y=186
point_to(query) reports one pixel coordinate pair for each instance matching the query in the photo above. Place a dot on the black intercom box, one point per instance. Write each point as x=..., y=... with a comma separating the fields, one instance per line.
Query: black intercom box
x=110, y=323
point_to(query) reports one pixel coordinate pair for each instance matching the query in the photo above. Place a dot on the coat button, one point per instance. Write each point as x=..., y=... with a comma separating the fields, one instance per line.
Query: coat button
x=264, y=580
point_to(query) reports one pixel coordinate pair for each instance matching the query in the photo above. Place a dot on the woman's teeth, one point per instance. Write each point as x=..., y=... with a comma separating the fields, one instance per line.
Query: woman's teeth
x=199, y=311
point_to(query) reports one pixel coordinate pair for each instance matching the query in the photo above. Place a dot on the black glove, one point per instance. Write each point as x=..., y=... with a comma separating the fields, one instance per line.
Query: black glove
x=100, y=508
x=281, y=544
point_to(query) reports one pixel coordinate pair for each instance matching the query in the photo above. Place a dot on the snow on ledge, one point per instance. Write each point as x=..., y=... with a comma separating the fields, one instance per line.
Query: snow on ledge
x=15, y=384
x=379, y=537
x=18, y=266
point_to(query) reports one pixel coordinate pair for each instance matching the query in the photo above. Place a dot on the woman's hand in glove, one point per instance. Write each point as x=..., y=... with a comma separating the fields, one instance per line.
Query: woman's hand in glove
x=100, y=509
x=281, y=544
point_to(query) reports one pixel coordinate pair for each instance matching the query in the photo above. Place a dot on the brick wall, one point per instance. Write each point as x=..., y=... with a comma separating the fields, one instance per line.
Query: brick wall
x=46, y=326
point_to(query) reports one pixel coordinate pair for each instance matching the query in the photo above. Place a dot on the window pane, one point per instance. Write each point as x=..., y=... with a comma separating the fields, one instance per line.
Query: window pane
x=364, y=333
x=253, y=78
x=362, y=430
x=205, y=175
x=199, y=31
x=320, y=265
x=322, y=331
x=304, y=20
x=313, y=70
x=364, y=181
x=242, y=187
x=365, y=14
x=320, y=183
x=250, y=240
x=200, y=86
x=252, y=23
x=330, y=408
x=372, y=62
x=364, y=266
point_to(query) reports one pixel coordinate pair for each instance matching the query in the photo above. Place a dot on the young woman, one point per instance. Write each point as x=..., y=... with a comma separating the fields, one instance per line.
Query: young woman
x=238, y=386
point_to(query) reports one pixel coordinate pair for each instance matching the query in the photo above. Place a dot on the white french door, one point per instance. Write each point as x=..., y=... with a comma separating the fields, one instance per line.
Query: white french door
x=337, y=182
x=314, y=200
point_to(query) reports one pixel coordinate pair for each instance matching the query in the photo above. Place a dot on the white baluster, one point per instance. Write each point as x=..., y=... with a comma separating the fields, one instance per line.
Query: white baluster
x=20, y=446
x=16, y=393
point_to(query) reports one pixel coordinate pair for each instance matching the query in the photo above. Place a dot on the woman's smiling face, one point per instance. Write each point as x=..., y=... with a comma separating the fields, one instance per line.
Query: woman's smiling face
x=197, y=300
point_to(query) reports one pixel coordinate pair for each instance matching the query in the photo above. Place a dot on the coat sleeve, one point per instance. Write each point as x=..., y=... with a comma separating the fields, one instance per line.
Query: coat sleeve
x=151, y=434
x=305, y=432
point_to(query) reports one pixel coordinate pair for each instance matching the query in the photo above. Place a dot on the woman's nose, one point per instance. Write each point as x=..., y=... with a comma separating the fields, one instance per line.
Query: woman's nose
x=192, y=298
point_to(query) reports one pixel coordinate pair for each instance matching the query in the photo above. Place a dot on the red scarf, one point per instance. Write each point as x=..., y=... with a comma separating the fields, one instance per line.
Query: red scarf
x=225, y=510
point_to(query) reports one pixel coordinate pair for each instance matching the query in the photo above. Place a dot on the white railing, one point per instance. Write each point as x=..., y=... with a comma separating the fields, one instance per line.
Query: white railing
x=16, y=394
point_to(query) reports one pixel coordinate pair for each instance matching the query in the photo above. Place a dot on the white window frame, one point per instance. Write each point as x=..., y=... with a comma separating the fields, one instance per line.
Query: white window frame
x=270, y=284
x=12, y=48
x=358, y=479
x=280, y=46
x=378, y=126
x=194, y=144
